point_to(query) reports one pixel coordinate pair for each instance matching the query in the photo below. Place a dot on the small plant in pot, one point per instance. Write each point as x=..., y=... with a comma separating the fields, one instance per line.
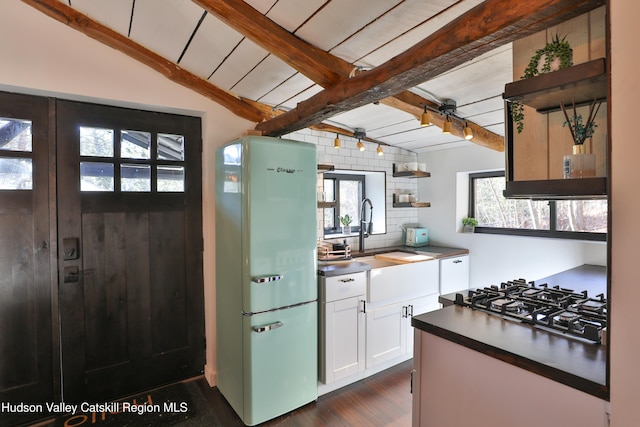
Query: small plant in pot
x=469, y=224
x=346, y=224
x=580, y=164
x=579, y=129
x=555, y=55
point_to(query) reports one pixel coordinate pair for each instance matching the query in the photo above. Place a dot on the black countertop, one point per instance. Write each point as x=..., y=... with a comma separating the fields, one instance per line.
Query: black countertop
x=570, y=361
x=337, y=268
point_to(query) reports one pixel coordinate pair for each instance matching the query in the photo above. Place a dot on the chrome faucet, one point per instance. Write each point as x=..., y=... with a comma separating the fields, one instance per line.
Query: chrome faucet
x=364, y=224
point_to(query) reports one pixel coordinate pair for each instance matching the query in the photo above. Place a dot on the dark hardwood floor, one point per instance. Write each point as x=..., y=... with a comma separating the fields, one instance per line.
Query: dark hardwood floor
x=383, y=399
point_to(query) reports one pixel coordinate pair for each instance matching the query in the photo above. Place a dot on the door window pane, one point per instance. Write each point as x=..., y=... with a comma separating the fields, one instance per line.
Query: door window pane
x=135, y=177
x=96, y=142
x=170, y=179
x=96, y=176
x=15, y=135
x=16, y=174
x=170, y=147
x=582, y=215
x=135, y=144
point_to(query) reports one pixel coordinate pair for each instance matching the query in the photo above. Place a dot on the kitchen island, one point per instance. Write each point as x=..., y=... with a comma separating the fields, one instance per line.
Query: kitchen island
x=471, y=365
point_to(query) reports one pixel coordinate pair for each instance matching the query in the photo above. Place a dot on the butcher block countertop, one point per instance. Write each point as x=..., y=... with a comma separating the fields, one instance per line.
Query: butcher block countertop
x=571, y=361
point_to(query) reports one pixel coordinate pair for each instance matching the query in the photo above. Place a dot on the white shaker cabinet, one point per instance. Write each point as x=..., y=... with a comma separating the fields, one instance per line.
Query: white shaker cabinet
x=454, y=274
x=389, y=331
x=394, y=294
x=342, y=326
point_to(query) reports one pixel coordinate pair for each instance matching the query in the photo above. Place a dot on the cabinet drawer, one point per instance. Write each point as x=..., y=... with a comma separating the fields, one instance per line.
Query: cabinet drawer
x=340, y=287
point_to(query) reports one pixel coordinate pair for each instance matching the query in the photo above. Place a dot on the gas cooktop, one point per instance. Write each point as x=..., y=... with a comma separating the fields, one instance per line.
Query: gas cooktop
x=546, y=307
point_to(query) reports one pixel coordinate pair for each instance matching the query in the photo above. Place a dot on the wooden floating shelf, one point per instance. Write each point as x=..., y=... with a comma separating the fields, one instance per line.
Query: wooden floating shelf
x=412, y=205
x=325, y=168
x=410, y=174
x=326, y=205
x=582, y=83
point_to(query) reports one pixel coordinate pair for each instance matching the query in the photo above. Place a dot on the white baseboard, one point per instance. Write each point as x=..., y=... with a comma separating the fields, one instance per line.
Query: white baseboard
x=210, y=376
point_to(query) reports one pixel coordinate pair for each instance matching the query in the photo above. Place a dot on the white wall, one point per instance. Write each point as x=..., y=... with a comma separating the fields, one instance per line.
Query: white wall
x=494, y=258
x=42, y=56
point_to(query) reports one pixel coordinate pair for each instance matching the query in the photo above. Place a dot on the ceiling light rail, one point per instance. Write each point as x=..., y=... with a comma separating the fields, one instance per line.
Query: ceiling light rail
x=447, y=108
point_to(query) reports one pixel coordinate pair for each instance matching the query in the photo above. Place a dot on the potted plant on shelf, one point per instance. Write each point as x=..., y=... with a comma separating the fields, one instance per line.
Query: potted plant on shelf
x=346, y=224
x=555, y=55
x=580, y=164
x=469, y=225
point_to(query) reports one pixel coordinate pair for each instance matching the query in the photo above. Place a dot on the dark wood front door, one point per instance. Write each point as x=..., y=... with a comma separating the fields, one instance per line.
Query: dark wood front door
x=27, y=248
x=130, y=249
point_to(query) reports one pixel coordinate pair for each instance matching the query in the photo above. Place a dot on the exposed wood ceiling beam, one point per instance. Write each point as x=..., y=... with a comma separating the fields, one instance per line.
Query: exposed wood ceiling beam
x=489, y=25
x=60, y=11
x=320, y=66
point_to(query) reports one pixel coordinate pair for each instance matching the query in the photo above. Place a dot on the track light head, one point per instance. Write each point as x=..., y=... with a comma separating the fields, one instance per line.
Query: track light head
x=336, y=142
x=379, y=150
x=360, y=145
x=468, y=133
x=425, y=119
x=446, y=127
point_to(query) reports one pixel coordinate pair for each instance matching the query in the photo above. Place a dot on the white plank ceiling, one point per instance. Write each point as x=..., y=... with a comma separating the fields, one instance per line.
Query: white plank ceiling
x=365, y=33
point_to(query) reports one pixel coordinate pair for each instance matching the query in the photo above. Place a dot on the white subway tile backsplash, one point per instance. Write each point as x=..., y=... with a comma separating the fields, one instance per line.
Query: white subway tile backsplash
x=350, y=158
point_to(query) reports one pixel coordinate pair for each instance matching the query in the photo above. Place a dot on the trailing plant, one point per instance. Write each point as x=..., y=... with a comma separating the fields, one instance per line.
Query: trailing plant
x=557, y=48
x=580, y=130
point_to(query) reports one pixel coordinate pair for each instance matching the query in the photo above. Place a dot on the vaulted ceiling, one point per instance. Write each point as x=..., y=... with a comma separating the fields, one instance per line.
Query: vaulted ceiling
x=336, y=65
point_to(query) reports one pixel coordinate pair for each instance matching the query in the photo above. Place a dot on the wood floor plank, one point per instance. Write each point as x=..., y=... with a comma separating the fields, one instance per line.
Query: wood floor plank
x=383, y=399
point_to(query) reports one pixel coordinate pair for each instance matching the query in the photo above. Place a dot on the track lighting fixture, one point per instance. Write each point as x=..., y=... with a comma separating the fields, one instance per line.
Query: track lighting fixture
x=379, y=150
x=336, y=142
x=446, y=126
x=468, y=133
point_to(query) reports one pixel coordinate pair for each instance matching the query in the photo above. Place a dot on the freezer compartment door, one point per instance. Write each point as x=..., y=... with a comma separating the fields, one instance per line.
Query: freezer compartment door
x=281, y=228
x=281, y=362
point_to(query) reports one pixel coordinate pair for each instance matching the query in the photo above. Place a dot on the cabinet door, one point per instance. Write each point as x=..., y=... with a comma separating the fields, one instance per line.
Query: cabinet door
x=386, y=333
x=454, y=274
x=419, y=306
x=344, y=339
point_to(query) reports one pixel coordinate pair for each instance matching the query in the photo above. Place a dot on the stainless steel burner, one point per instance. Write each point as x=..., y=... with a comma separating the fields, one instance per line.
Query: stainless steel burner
x=565, y=317
x=593, y=305
x=508, y=304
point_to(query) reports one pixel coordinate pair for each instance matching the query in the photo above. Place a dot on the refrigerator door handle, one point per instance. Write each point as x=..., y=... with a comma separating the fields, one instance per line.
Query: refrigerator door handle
x=265, y=328
x=265, y=279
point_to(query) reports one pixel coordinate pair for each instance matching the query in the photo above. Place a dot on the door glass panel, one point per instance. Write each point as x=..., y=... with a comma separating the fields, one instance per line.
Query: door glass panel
x=170, y=147
x=96, y=142
x=15, y=134
x=135, y=177
x=16, y=174
x=135, y=144
x=170, y=179
x=96, y=176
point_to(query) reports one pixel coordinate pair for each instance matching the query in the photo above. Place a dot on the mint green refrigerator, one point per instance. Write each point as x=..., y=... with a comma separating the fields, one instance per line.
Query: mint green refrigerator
x=266, y=286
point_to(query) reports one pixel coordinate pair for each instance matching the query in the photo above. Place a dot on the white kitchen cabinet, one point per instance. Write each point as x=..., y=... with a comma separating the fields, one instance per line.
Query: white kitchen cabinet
x=342, y=326
x=393, y=293
x=389, y=331
x=454, y=274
